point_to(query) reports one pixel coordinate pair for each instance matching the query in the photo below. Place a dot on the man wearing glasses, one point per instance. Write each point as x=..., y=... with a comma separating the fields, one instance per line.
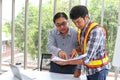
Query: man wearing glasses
x=62, y=39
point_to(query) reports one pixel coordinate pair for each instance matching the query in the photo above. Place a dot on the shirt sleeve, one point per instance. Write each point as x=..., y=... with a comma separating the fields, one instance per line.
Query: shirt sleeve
x=95, y=39
x=51, y=44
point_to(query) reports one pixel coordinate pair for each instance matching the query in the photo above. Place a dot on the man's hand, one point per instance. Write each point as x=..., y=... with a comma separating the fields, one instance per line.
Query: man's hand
x=62, y=54
x=77, y=73
x=73, y=53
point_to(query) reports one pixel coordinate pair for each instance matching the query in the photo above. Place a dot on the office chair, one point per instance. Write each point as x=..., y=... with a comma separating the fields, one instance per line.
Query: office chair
x=45, y=61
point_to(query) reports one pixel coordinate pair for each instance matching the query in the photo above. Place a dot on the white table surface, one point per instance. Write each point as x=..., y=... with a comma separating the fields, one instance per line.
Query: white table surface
x=46, y=75
x=42, y=75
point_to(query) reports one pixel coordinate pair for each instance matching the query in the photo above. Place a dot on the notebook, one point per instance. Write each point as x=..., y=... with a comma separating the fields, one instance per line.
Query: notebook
x=18, y=75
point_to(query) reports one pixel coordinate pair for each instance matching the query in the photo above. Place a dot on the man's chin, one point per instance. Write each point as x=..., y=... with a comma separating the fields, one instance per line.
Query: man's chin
x=62, y=32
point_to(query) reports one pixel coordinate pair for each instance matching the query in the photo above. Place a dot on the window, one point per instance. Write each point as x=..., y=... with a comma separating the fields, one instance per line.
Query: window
x=3, y=48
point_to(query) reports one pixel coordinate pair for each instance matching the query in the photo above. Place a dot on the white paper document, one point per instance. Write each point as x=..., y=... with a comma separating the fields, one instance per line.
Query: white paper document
x=55, y=58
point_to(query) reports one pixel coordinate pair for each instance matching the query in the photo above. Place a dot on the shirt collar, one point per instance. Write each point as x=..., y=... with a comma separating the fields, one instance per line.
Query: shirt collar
x=84, y=29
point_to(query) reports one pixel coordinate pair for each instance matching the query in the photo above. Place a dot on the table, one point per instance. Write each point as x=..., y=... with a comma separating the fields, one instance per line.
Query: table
x=42, y=75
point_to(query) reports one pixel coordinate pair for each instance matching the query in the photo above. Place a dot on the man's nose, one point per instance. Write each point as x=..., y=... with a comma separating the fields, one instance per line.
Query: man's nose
x=61, y=26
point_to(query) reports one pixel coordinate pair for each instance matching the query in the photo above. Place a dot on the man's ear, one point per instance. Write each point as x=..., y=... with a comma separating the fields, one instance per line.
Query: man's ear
x=86, y=17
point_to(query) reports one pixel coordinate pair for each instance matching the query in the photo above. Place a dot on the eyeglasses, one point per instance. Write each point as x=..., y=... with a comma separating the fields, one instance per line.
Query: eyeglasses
x=61, y=24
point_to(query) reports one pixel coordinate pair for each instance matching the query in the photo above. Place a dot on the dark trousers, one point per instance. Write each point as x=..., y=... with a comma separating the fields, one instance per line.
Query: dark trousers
x=66, y=69
x=99, y=75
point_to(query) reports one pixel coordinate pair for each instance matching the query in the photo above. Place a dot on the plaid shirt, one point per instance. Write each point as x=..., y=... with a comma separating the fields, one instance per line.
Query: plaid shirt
x=95, y=48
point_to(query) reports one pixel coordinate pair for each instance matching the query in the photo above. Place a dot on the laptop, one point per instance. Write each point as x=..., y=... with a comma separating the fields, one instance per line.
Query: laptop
x=18, y=75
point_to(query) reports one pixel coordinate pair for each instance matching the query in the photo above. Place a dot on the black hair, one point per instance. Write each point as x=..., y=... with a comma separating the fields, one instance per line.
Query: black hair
x=58, y=15
x=78, y=11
